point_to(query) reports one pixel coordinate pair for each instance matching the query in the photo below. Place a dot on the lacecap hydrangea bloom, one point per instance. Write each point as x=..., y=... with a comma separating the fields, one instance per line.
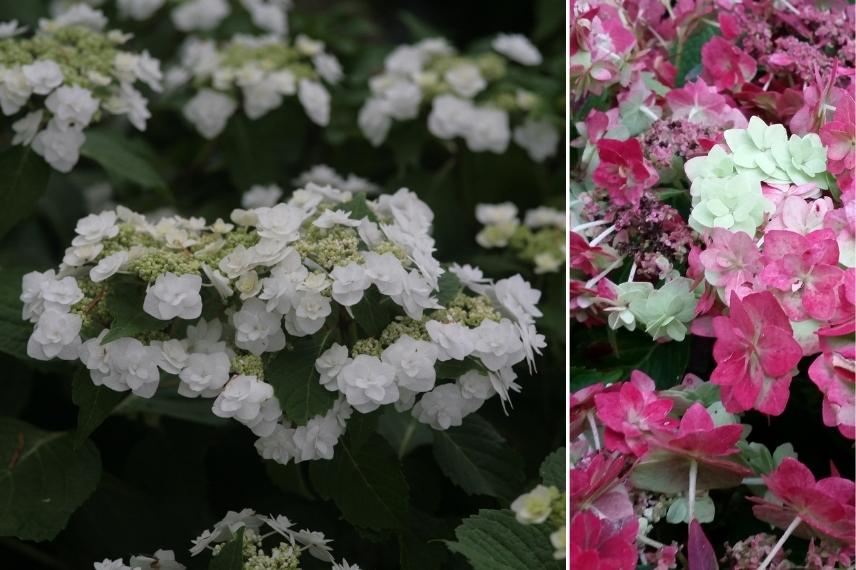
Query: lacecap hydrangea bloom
x=67, y=75
x=539, y=239
x=473, y=97
x=267, y=542
x=258, y=72
x=220, y=310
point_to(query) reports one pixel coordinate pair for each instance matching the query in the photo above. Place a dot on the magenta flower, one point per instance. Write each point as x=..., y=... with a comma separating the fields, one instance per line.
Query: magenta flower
x=731, y=261
x=601, y=544
x=581, y=403
x=839, y=136
x=834, y=373
x=586, y=258
x=805, y=270
x=597, y=483
x=825, y=508
x=699, y=437
x=623, y=171
x=755, y=354
x=842, y=221
x=633, y=415
x=725, y=65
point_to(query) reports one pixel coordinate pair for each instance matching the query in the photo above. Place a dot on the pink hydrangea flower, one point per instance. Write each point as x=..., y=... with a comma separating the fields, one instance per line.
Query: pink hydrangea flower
x=842, y=221
x=633, y=415
x=623, y=171
x=755, y=354
x=826, y=507
x=805, y=271
x=597, y=483
x=700, y=103
x=725, y=65
x=731, y=261
x=581, y=403
x=834, y=373
x=799, y=215
x=839, y=136
x=777, y=193
x=601, y=544
x=699, y=437
x=586, y=258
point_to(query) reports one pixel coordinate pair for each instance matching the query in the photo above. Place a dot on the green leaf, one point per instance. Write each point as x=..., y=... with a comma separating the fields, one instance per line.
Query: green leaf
x=366, y=484
x=172, y=405
x=231, y=557
x=123, y=158
x=454, y=369
x=125, y=306
x=358, y=207
x=403, y=432
x=667, y=363
x=494, y=540
x=688, y=55
x=582, y=377
x=14, y=331
x=553, y=469
x=478, y=460
x=43, y=479
x=373, y=313
x=666, y=472
x=94, y=404
x=296, y=382
x=24, y=181
x=448, y=286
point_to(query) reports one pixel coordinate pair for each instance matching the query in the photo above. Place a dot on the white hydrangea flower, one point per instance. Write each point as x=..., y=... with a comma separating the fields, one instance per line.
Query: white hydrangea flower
x=199, y=15
x=256, y=329
x=315, y=100
x=133, y=366
x=497, y=345
x=108, y=564
x=280, y=222
x=27, y=128
x=204, y=374
x=330, y=363
x=328, y=67
x=330, y=218
x=43, y=75
x=242, y=398
x=138, y=9
x=414, y=362
x=367, y=383
x=538, y=138
x=416, y=295
x=495, y=214
x=94, y=228
x=487, y=130
x=41, y=291
x=174, y=296
x=533, y=507
x=267, y=419
x=59, y=145
x=219, y=281
x=261, y=196
x=450, y=116
x=72, y=106
x=386, y=273
x=173, y=355
x=349, y=283
x=311, y=309
x=466, y=80
x=317, y=439
x=517, y=48
x=209, y=111
x=375, y=120
x=79, y=14
x=444, y=407
x=108, y=266
x=57, y=335
x=518, y=298
x=473, y=384
x=15, y=90
x=161, y=560
x=455, y=340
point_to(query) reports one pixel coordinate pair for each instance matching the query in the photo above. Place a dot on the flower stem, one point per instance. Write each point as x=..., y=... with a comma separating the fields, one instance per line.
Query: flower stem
x=593, y=427
x=602, y=236
x=753, y=481
x=788, y=531
x=588, y=225
x=692, y=490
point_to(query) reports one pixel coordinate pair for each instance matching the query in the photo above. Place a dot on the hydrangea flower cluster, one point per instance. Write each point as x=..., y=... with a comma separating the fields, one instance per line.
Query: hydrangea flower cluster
x=257, y=71
x=474, y=97
x=253, y=530
x=351, y=284
x=642, y=457
x=544, y=505
x=539, y=240
x=67, y=76
x=712, y=197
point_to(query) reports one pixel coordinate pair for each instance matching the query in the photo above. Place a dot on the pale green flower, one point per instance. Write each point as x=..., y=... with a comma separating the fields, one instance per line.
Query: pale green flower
x=620, y=314
x=734, y=203
x=802, y=158
x=752, y=148
x=717, y=164
x=666, y=311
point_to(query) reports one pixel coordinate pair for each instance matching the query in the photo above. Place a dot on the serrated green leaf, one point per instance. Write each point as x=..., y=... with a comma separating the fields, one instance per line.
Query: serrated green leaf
x=448, y=286
x=295, y=381
x=231, y=557
x=14, y=331
x=454, y=369
x=24, y=181
x=366, y=484
x=403, y=432
x=125, y=306
x=94, y=404
x=478, y=460
x=172, y=405
x=494, y=540
x=373, y=313
x=123, y=158
x=554, y=469
x=43, y=479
